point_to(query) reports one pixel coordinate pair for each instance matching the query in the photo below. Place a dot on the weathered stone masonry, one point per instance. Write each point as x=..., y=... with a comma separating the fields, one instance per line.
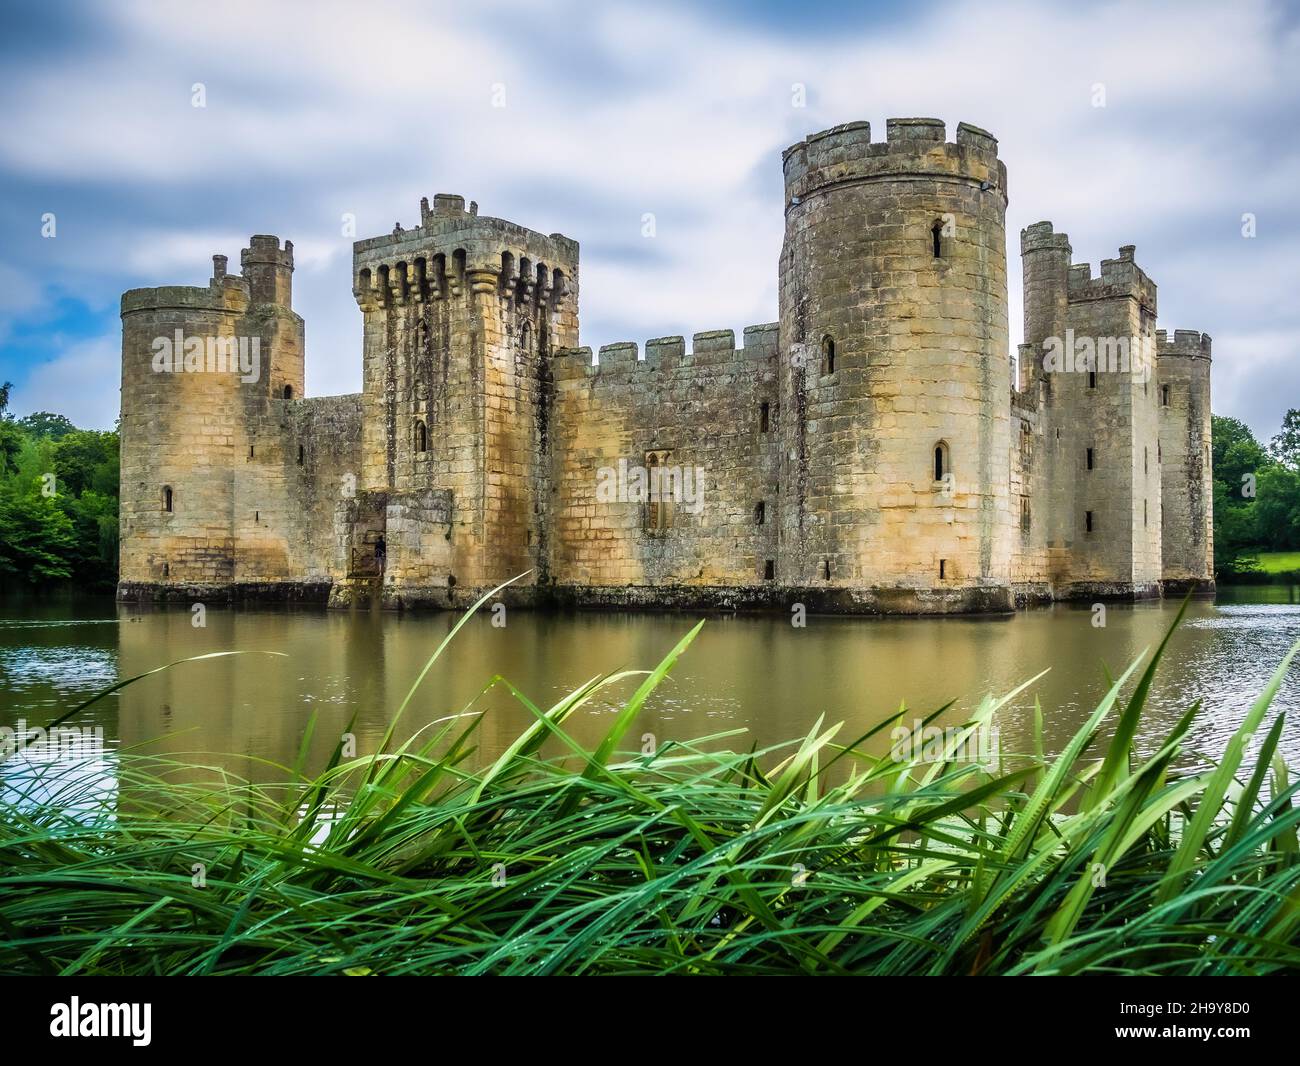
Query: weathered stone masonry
x=874, y=450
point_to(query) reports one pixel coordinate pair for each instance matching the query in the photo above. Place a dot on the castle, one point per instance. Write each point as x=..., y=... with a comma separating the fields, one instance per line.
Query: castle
x=874, y=450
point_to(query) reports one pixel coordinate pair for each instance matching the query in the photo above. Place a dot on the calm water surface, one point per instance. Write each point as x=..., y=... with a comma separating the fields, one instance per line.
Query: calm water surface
x=754, y=673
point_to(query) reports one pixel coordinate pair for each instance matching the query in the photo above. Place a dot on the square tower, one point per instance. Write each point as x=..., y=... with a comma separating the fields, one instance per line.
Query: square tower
x=460, y=316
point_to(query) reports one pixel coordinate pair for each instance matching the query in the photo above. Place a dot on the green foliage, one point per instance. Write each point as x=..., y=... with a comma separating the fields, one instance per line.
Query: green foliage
x=11, y=443
x=11, y=437
x=71, y=534
x=1235, y=451
x=87, y=460
x=46, y=424
x=816, y=857
x=1277, y=508
x=1256, y=493
x=37, y=541
x=1285, y=446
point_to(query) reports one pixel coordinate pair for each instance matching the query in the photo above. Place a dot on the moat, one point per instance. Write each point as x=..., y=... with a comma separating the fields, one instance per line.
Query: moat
x=753, y=672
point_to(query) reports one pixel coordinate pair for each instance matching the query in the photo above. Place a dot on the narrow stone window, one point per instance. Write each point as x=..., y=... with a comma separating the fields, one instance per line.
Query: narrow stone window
x=653, y=512
x=1164, y=395
x=936, y=239
x=943, y=568
x=1160, y=453
x=941, y=465
x=826, y=569
x=525, y=336
x=769, y=570
x=250, y=451
x=302, y=454
x=1087, y=521
x=659, y=486
x=1144, y=512
x=167, y=498
x=1092, y=379
x=167, y=569
x=828, y=354
x=288, y=392
x=1146, y=454
x=762, y=416
x=760, y=512
x=421, y=436
x=1024, y=514
x=1090, y=459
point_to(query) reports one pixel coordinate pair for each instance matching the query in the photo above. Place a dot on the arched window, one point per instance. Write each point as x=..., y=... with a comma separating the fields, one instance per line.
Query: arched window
x=828, y=354
x=941, y=466
x=525, y=336
x=421, y=436
x=167, y=498
x=288, y=392
x=936, y=238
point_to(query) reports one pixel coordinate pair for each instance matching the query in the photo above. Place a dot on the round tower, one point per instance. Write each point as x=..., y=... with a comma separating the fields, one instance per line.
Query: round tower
x=208, y=376
x=894, y=378
x=182, y=426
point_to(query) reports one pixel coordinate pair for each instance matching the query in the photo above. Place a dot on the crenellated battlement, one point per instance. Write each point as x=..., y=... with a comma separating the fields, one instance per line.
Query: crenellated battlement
x=1119, y=278
x=913, y=147
x=1185, y=343
x=663, y=353
x=1040, y=237
x=229, y=296
x=455, y=251
x=264, y=249
x=224, y=293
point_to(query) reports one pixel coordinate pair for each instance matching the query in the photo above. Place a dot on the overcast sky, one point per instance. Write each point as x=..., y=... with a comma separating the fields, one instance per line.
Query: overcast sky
x=615, y=110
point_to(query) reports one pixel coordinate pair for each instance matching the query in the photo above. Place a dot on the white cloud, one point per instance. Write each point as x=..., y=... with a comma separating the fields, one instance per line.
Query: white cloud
x=329, y=109
x=82, y=381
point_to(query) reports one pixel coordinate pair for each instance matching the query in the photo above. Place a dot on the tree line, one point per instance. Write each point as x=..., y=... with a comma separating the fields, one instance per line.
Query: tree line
x=58, y=502
x=1256, y=493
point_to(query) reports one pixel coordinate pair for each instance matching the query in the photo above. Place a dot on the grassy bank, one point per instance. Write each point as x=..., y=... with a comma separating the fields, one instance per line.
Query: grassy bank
x=1266, y=568
x=816, y=857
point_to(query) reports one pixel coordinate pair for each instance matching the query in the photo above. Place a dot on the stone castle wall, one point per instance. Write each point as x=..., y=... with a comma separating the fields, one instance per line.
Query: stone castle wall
x=1186, y=471
x=625, y=420
x=874, y=450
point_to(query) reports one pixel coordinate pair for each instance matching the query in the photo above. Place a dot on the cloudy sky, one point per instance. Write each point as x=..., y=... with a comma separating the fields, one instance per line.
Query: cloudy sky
x=614, y=110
